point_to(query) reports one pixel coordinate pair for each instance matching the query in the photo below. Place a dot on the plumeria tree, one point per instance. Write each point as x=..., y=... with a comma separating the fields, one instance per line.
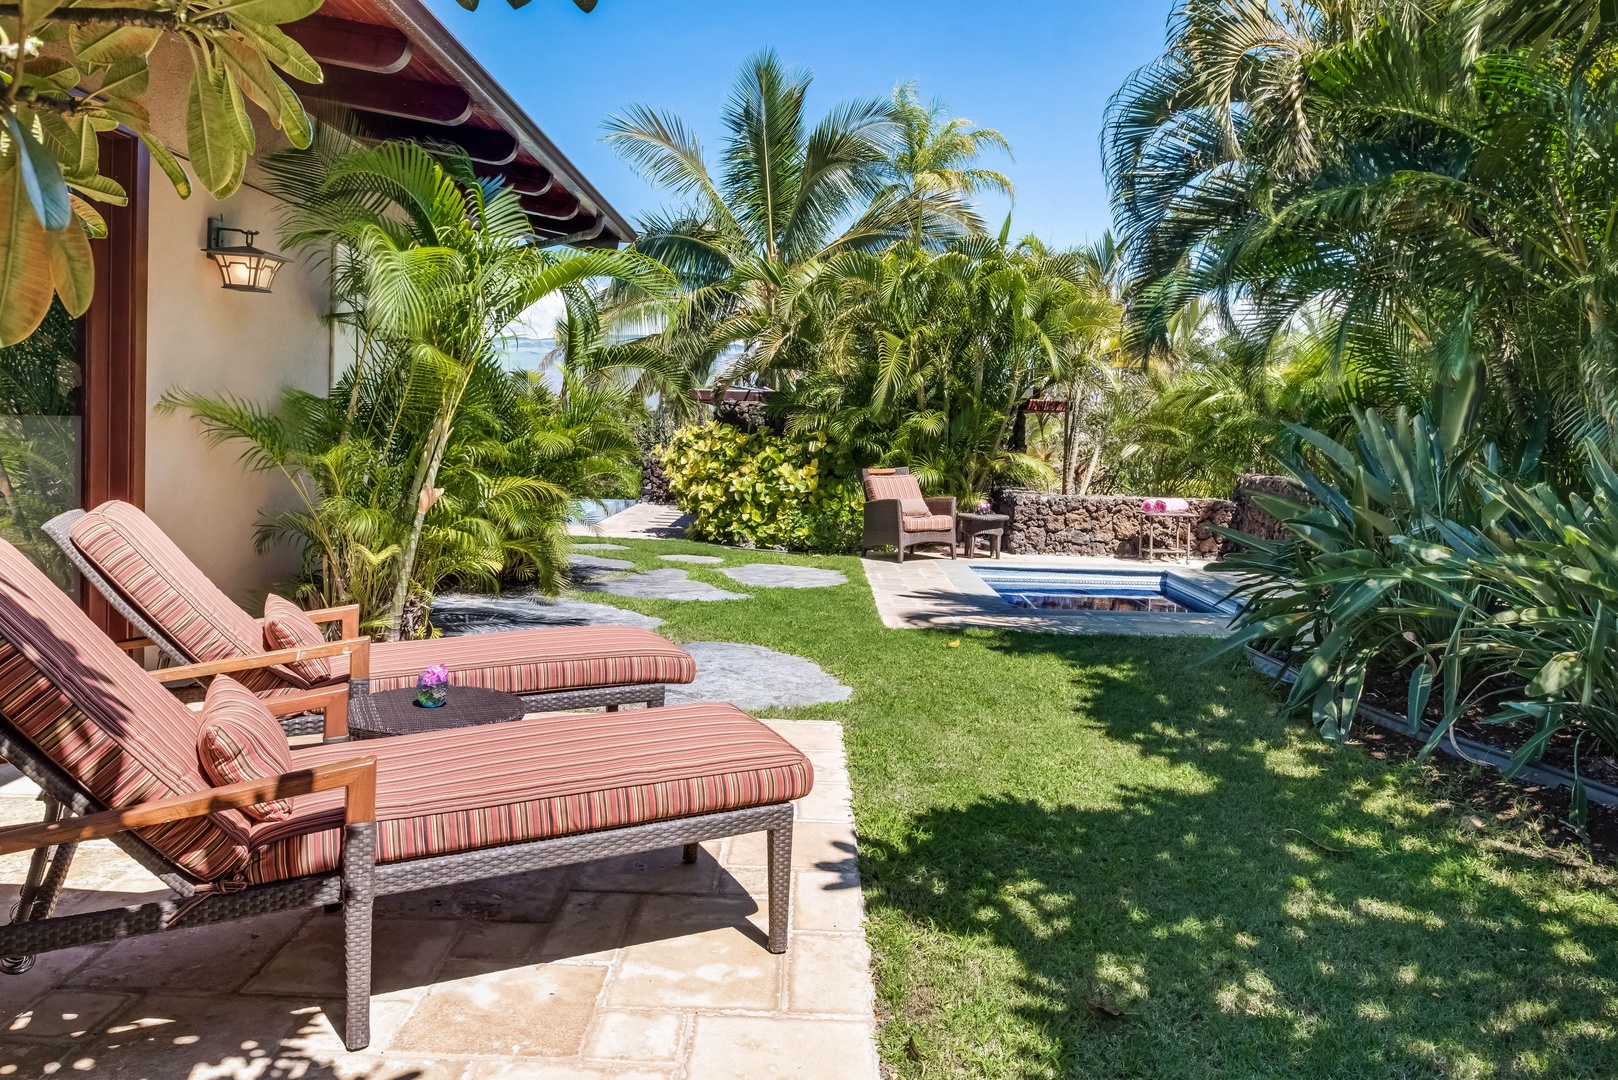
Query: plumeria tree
x=72, y=69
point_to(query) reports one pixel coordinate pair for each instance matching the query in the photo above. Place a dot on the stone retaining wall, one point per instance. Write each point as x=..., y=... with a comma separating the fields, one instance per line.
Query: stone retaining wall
x=1252, y=519
x=1110, y=525
x=654, y=482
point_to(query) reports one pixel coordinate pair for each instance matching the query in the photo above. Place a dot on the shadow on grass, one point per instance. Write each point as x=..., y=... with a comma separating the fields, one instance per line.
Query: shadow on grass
x=1226, y=895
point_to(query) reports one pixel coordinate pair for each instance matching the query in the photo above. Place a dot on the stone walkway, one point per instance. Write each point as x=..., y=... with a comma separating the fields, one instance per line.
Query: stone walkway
x=643, y=521
x=928, y=590
x=637, y=968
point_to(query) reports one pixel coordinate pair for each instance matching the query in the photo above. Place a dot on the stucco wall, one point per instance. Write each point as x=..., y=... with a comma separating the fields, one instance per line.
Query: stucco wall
x=202, y=337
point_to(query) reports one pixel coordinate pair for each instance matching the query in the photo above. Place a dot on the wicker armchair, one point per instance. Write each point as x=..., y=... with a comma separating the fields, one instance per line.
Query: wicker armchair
x=897, y=515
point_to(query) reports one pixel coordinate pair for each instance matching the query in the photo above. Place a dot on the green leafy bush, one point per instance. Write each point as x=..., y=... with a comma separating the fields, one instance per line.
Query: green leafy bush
x=763, y=488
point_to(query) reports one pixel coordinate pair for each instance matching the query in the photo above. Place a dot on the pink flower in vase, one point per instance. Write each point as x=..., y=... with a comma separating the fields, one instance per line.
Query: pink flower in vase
x=985, y=507
x=432, y=687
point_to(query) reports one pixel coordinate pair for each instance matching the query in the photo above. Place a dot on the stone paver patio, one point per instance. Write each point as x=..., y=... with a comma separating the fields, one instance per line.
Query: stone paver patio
x=642, y=521
x=637, y=968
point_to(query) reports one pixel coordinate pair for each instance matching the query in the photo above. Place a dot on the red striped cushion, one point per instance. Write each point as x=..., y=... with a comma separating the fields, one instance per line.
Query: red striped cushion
x=535, y=661
x=101, y=719
x=287, y=627
x=896, y=486
x=160, y=582
x=548, y=776
x=241, y=741
x=928, y=523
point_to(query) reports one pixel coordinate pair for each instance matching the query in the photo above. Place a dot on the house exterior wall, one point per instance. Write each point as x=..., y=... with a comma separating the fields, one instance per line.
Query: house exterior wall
x=201, y=337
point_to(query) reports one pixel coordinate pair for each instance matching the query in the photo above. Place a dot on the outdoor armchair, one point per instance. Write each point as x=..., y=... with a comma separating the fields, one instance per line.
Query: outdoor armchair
x=174, y=606
x=898, y=516
x=118, y=757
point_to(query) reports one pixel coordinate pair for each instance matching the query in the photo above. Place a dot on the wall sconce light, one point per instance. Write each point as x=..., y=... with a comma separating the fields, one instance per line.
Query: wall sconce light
x=243, y=267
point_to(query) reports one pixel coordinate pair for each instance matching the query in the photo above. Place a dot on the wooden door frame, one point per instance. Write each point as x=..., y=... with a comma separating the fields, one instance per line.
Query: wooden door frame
x=113, y=351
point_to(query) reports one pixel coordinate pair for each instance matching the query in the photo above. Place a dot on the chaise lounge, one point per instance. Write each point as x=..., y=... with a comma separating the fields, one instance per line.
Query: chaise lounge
x=327, y=825
x=898, y=516
x=170, y=602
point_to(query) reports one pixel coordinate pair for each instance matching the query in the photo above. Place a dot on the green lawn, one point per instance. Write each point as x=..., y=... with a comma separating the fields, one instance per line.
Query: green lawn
x=1089, y=857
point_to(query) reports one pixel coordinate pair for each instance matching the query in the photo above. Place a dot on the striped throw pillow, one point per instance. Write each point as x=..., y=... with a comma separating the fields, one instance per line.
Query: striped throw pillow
x=240, y=740
x=287, y=627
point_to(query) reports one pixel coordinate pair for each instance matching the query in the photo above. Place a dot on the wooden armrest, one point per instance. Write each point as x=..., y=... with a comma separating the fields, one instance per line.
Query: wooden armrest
x=347, y=614
x=358, y=651
x=331, y=702
x=131, y=644
x=356, y=776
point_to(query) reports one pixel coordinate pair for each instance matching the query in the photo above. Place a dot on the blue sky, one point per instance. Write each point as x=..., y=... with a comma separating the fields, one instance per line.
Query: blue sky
x=1039, y=70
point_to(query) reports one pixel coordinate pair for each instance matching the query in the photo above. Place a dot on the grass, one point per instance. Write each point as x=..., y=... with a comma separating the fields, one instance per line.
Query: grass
x=1091, y=857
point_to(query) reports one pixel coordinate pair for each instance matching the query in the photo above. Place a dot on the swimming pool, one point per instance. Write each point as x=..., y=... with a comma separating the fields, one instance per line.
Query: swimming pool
x=1057, y=590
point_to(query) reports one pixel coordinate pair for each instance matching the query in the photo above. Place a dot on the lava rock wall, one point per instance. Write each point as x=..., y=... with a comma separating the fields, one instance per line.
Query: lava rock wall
x=1109, y=525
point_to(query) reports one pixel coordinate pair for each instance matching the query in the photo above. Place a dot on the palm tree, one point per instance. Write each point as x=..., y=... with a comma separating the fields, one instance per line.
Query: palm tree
x=933, y=169
x=432, y=266
x=789, y=193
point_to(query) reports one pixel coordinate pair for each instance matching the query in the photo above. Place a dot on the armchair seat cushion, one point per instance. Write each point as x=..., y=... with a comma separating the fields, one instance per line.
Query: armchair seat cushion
x=915, y=523
x=535, y=661
x=543, y=777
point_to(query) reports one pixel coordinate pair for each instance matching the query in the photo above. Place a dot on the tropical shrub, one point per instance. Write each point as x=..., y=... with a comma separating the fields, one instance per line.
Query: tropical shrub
x=764, y=489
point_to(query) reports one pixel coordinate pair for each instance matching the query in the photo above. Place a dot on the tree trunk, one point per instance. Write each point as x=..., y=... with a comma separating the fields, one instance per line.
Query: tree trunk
x=1090, y=469
x=426, y=478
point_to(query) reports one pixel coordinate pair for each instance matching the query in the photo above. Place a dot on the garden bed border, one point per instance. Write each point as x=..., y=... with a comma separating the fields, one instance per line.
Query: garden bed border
x=1458, y=746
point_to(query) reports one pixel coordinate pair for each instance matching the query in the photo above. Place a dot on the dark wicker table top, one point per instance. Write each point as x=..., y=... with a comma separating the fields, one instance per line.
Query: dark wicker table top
x=467, y=706
x=982, y=522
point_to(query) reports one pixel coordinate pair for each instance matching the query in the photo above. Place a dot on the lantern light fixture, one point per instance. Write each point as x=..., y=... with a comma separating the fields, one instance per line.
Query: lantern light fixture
x=242, y=267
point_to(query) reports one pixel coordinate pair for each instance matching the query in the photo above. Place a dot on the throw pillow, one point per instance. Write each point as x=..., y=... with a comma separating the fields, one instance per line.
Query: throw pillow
x=240, y=740
x=287, y=627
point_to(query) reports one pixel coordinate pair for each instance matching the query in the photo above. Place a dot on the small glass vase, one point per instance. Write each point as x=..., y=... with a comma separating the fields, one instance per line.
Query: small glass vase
x=431, y=697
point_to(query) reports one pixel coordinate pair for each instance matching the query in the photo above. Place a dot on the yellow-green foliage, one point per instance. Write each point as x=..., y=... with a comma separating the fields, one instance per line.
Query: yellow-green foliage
x=763, y=488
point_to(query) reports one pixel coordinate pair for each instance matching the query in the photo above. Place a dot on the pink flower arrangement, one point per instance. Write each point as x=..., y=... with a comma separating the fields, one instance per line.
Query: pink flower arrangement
x=985, y=506
x=435, y=676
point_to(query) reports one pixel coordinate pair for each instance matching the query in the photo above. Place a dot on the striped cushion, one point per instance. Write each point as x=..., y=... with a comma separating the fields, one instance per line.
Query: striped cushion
x=547, y=776
x=914, y=523
x=241, y=741
x=101, y=719
x=535, y=661
x=160, y=582
x=287, y=627
x=896, y=486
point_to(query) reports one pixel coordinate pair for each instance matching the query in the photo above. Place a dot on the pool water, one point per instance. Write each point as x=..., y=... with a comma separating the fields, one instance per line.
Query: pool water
x=1125, y=592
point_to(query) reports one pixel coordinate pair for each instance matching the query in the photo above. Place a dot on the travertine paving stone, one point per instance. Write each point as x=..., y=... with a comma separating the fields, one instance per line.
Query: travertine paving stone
x=638, y=968
x=592, y=567
x=783, y=576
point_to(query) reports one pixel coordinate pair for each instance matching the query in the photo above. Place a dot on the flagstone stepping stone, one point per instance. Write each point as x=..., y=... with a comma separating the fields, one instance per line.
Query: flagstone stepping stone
x=599, y=547
x=781, y=576
x=591, y=567
x=754, y=678
x=472, y=613
x=663, y=585
x=705, y=560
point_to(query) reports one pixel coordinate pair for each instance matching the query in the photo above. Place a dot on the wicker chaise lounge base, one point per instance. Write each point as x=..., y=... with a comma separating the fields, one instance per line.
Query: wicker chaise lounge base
x=509, y=658
x=118, y=755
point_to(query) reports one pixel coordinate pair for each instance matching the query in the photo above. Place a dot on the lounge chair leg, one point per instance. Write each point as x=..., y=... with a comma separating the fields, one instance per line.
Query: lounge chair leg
x=689, y=855
x=359, y=897
x=47, y=871
x=780, y=856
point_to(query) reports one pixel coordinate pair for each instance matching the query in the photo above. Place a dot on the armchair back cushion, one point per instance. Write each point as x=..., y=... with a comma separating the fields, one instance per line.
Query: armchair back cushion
x=901, y=486
x=160, y=582
x=68, y=689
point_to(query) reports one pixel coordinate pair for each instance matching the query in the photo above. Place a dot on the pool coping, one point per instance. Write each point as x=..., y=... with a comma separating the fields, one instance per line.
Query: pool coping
x=928, y=591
